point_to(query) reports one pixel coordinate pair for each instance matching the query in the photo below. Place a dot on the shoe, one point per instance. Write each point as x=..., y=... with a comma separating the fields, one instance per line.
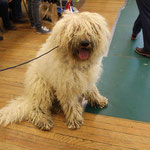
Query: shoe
x=43, y=30
x=1, y=37
x=20, y=20
x=10, y=27
x=140, y=51
x=133, y=37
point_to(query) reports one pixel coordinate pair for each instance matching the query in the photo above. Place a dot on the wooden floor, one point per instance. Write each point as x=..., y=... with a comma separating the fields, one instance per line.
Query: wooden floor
x=97, y=133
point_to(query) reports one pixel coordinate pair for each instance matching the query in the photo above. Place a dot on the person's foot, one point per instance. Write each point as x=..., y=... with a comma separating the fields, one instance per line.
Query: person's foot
x=20, y=20
x=1, y=37
x=43, y=30
x=10, y=27
x=141, y=51
x=133, y=37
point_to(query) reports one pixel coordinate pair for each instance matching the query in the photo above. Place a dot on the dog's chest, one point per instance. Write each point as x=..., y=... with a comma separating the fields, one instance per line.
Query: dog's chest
x=77, y=80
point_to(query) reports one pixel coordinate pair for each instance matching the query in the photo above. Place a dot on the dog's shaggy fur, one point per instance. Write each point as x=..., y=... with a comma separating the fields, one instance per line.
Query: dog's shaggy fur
x=65, y=75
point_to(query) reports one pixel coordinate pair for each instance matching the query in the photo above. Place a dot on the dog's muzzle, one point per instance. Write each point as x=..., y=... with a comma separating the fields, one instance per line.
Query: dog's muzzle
x=84, y=50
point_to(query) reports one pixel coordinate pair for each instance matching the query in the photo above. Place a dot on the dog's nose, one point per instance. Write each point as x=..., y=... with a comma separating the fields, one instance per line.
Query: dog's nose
x=85, y=43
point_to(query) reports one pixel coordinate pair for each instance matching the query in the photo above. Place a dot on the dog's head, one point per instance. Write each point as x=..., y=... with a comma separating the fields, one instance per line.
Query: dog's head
x=81, y=36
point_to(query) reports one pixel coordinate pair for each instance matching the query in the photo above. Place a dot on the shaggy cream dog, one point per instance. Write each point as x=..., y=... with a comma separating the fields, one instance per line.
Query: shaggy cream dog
x=65, y=75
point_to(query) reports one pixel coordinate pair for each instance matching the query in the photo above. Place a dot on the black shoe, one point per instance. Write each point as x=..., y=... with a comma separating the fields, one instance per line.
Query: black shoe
x=10, y=27
x=1, y=38
x=141, y=51
x=134, y=37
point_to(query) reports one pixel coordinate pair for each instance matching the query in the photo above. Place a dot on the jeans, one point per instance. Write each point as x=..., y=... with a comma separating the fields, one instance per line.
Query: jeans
x=34, y=13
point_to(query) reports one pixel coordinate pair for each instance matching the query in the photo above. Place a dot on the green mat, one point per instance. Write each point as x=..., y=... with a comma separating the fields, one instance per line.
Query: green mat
x=126, y=77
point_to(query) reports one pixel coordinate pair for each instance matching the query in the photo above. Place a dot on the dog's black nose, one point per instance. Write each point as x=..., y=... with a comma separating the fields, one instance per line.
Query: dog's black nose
x=85, y=43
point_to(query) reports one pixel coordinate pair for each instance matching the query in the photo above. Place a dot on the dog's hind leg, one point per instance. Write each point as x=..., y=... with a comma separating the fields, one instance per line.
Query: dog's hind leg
x=73, y=112
x=40, y=97
x=40, y=114
x=95, y=99
x=40, y=119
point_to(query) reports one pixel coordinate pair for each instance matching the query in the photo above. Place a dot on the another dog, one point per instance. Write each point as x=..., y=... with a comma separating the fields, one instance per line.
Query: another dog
x=65, y=75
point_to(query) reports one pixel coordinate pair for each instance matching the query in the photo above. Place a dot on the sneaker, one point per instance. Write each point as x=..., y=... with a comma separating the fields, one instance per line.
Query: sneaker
x=141, y=51
x=43, y=30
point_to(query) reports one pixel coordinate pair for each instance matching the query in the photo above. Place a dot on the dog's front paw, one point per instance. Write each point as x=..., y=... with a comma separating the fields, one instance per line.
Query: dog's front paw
x=44, y=124
x=75, y=122
x=102, y=102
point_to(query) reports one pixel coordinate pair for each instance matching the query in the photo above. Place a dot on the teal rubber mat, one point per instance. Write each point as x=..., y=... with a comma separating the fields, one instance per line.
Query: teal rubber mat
x=126, y=77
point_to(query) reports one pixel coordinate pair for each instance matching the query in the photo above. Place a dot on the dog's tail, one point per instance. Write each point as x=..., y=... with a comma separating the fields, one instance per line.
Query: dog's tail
x=16, y=111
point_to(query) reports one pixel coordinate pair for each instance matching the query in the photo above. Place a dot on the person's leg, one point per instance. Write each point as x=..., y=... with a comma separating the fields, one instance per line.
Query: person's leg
x=16, y=8
x=5, y=15
x=30, y=13
x=35, y=8
x=137, y=27
x=144, y=9
x=4, y=12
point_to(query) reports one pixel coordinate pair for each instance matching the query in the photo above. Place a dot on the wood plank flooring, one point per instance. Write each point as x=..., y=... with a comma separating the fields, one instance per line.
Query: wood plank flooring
x=97, y=133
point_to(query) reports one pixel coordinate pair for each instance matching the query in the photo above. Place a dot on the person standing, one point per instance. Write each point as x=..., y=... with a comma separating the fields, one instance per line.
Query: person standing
x=34, y=15
x=143, y=22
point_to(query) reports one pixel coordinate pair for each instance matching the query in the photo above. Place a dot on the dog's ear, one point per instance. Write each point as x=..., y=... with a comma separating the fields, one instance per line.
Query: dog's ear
x=104, y=26
x=101, y=22
x=97, y=21
x=105, y=33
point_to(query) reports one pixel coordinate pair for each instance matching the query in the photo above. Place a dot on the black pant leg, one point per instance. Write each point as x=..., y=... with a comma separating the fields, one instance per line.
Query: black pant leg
x=144, y=9
x=30, y=12
x=4, y=12
x=137, y=26
x=15, y=5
